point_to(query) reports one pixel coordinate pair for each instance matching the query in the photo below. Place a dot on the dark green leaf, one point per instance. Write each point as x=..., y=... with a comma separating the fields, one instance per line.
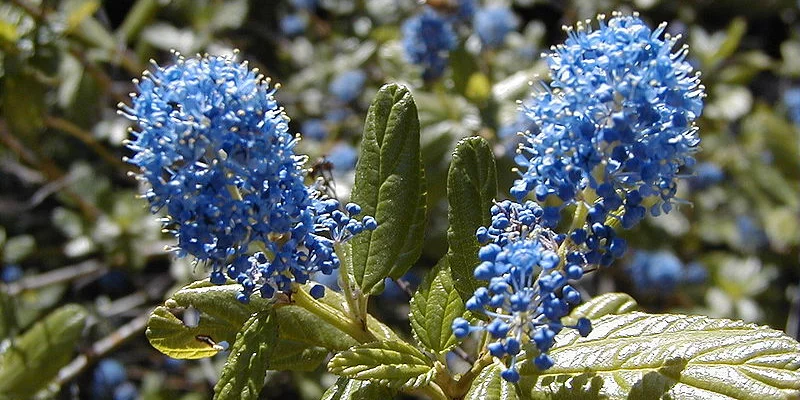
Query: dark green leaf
x=489, y=385
x=471, y=188
x=244, y=371
x=35, y=357
x=605, y=304
x=354, y=389
x=652, y=356
x=433, y=309
x=390, y=186
x=391, y=363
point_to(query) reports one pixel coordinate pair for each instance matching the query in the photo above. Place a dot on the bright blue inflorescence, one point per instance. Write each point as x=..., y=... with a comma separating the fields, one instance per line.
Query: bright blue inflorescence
x=493, y=23
x=528, y=291
x=428, y=38
x=611, y=133
x=215, y=151
x=618, y=117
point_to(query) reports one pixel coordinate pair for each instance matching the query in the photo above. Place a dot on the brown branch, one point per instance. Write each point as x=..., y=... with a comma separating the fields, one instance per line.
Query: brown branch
x=87, y=139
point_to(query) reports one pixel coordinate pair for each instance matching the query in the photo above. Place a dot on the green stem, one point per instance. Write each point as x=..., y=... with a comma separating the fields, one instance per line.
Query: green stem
x=330, y=315
x=465, y=382
x=434, y=392
x=578, y=221
x=356, y=301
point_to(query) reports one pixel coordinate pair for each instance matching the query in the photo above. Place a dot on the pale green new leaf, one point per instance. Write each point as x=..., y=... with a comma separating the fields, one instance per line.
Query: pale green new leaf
x=489, y=385
x=244, y=371
x=304, y=339
x=354, y=389
x=677, y=356
x=433, y=309
x=221, y=317
x=34, y=358
x=391, y=363
x=605, y=304
x=390, y=186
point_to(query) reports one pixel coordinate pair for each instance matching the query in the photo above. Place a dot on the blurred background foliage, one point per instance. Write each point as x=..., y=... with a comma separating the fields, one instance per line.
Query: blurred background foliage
x=82, y=255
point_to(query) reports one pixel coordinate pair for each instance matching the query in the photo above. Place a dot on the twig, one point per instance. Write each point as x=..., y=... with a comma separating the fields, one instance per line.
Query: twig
x=101, y=348
x=87, y=138
x=48, y=168
x=60, y=275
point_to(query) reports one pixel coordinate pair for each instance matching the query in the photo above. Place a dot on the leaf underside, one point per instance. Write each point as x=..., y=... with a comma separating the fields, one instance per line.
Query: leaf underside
x=638, y=355
x=354, y=389
x=434, y=307
x=391, y=363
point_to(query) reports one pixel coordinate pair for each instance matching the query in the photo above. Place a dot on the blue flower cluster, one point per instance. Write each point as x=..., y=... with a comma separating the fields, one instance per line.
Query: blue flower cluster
x=612, y=131
x=617, y=118
x=661, y=272
x=428, y=38
x=528, y=292
x=215, y=152
x=493, y=23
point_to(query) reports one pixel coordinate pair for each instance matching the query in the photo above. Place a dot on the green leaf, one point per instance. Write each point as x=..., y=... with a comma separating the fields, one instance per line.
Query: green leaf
x=652, y=356
x=390, y=363
x=303, y=337
x=471, y=188
x=489, y=385
x=389, y=185
x=433, y=309
x=35, y=357
x=296, y=356
x=244, y=371
x=605, y=304
x=301, y=325
x=221, y=317
x=354, y=389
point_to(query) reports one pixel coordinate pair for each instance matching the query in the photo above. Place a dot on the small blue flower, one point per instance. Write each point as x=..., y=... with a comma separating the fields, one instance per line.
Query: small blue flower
x=791, y=98
x=661, y=272
x=343, y=157
x=528, y=291
x=215, y=152
x=493, y=23
x=293, y=25
x=314, y=129
x=706, y=174
x=428, y=39
x=341, y=224
x=655, y=272
x=348, y=85
x=466, y=9
x=11, y=273
x=108, y=375
x=618, y=118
